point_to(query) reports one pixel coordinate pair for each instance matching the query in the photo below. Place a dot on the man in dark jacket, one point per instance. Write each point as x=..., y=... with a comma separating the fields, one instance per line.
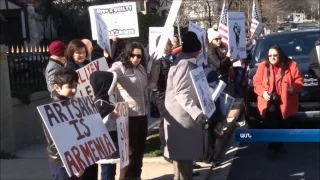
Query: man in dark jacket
x=314, y=63
x=158, y=92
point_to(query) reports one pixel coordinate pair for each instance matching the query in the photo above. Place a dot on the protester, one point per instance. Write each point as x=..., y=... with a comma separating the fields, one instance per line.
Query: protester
x=89, y=47
x=65, y=88
x=183, y=115
x=314, y=62
x=277, y=83
x=56, y=60
x=158, y=92
x=132, y=88
x=103, y=84
x=218, y=55
x=76, y=54
x=176, y=42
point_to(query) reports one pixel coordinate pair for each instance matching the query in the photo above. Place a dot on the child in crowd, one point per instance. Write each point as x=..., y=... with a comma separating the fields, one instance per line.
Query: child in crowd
x=103, y=84
x=64, y=88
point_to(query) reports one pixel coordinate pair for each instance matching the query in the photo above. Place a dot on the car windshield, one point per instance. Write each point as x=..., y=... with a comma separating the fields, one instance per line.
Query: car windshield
x=297, y=44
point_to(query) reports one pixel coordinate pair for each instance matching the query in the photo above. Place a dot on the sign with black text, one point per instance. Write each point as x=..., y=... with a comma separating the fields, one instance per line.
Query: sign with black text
x=84, y=87
x=121, y=18
x=78, y=132
x=123, y=133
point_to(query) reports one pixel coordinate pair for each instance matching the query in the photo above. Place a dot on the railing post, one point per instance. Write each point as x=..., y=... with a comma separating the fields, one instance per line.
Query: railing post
x=7, y=141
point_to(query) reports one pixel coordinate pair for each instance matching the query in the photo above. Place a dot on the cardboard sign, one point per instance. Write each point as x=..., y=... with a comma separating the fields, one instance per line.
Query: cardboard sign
x=201, y=86
x=154, y=33
x=175, y=6
x=123, y=133
x=237, y=35
x=102, y=36
x=226, y=104
x=201, y=33
x=84, y=87
x=258, y=31
x=121, y=19
x=78, y=132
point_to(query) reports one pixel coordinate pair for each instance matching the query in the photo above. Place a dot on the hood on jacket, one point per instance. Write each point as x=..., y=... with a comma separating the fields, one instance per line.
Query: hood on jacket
x=103, y=83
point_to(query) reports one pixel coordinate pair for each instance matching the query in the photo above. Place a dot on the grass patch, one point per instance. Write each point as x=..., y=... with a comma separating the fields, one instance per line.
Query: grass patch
x=152, y=148
x=5, y=155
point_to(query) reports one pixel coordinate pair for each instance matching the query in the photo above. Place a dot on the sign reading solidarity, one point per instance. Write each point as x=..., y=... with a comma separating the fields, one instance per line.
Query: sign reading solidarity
x=123, y=133
x=84, y=87
x=114, y=15
x=78, y=132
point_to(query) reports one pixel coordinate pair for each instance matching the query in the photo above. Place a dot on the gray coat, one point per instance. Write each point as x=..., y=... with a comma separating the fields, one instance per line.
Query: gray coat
x=184, y=136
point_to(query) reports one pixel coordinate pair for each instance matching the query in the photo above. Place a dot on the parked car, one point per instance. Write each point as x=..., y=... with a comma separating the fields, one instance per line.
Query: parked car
x=297, y=45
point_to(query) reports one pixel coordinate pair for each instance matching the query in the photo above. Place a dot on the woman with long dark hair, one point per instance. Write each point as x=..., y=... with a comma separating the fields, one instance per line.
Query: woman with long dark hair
x=277, y=83
x=133, y=82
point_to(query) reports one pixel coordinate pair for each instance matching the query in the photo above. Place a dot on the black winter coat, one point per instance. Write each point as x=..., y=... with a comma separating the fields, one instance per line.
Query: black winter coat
x=221, y=64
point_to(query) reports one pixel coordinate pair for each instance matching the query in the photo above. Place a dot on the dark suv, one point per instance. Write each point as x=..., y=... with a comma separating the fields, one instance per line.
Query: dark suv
x=297, y=45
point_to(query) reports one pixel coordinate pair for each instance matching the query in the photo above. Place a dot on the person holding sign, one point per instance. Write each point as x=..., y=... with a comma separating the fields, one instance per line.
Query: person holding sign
x=218, y=55
x=76, y=54
x=103, y=84
x=65, y=88
x=132, y=88
x=183, y=116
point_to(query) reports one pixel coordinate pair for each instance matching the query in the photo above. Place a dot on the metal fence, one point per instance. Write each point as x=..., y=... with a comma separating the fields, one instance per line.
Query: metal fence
x=27, y=67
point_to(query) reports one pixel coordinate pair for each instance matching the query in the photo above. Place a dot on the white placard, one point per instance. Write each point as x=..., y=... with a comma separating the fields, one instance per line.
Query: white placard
x=258, y=31
x=201, y=33
x=121, y=19
x=154, y=33
x=102, y=36
x=78, y=133
x=175, y=6
x=318, y=52
x=84, y=87
x=123, y=133
x=201, y=86
x=237, y=35
x=226, y=104
x=218, y=90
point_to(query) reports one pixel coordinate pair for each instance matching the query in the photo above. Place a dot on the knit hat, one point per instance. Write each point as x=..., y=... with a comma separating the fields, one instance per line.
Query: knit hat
x=191, y=43
x=212, y=34
x=57, y=48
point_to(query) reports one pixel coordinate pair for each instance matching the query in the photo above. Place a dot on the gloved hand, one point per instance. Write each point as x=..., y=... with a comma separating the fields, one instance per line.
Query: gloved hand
x=201, y=118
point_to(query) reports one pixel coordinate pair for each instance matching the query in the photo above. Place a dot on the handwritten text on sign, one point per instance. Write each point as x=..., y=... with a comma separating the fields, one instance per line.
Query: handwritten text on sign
x=84, y=87
x=78, y=132
x=123, y=133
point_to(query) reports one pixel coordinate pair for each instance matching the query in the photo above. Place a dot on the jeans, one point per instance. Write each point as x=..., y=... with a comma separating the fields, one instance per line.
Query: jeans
x=108, y=171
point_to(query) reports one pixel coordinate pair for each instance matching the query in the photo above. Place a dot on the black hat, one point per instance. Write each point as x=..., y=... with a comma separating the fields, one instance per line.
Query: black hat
x=191, y=43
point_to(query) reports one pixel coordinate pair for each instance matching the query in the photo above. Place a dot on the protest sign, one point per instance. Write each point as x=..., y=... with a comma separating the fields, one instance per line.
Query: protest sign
x=123, y=133
x=114, y=15
x=201, y=33
x=237, y=35
x=154, y=33
x=84, y=88
x=102, y=36
x=175, y=6
x=78, y=132
x=201, y=86
x=257, y=32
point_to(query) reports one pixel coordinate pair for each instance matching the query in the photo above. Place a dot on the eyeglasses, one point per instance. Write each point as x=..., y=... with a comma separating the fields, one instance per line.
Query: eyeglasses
x=217, y=39
x=273, y=55
x=135, y=55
